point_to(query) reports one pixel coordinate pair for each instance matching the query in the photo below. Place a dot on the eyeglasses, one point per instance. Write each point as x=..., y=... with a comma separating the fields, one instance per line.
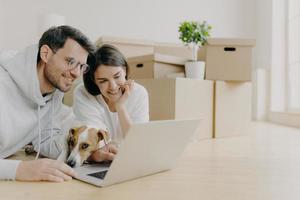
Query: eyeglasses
x=73, y=64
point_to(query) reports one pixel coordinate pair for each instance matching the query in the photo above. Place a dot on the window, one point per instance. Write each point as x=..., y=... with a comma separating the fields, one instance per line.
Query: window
x=285, y=71
x=293, y=56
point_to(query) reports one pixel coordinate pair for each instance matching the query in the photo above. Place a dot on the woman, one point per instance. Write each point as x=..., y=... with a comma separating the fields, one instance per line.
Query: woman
x=108, y=100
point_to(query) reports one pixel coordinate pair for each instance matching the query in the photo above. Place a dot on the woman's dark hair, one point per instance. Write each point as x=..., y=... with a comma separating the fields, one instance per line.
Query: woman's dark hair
x=55, y=38
x=107, y=55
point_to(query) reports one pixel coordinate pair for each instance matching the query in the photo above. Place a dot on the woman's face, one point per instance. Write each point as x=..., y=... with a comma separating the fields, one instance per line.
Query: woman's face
x=110, y=80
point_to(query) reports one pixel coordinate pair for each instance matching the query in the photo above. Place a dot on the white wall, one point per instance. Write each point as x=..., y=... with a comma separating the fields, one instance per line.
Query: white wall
x=155, y=20
x=263, y=34
x=1, y=25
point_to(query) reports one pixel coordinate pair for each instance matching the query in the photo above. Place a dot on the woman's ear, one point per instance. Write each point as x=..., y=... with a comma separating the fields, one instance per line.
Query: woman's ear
x=45, y=53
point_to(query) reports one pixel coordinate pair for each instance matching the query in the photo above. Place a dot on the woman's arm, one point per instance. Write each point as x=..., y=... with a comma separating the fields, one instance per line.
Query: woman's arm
x=124, y=118
x=139, y=107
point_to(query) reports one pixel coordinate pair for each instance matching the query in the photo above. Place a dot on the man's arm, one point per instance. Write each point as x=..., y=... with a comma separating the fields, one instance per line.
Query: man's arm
x=8, y=169
x=35, y=170
x=44, y=170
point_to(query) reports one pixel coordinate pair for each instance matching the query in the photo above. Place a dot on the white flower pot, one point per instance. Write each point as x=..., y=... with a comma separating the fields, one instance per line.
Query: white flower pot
x=195, y=69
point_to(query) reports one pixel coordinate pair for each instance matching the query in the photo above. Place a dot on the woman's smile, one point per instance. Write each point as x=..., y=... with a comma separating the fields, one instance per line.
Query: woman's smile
x=115, y=92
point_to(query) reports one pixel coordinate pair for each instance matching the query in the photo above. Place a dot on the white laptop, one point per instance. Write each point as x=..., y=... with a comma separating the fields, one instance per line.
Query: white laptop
x=148, y=148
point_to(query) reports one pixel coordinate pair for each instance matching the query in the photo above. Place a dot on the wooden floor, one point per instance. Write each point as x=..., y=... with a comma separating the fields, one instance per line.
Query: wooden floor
x=264, y=165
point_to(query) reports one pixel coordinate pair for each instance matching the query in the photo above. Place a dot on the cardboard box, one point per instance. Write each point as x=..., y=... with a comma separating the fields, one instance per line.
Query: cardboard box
x=181, y=98
x=155, y=66
x=229, y=59
x=232, y=108
x=178, y=50
x=129, y=47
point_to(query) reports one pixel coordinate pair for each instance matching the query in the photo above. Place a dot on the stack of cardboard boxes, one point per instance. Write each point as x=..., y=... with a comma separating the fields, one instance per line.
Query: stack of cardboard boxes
x=229, y=65
x=223, y=100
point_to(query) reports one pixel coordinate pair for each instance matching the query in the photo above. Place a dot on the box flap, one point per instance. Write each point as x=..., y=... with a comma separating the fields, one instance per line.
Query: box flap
x=231, y=41
x=169, y=59
x=120, y=40
x=163, y=58
x=171, y=45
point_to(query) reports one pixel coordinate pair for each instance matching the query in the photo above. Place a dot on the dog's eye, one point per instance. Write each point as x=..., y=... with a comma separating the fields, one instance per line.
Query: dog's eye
x=84, y=146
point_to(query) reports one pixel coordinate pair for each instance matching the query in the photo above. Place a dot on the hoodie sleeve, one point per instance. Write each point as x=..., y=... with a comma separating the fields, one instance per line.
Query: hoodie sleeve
x=8, y=169
x=62, y=118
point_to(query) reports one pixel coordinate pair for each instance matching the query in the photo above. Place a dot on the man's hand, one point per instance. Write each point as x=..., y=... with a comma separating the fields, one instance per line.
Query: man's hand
x=107, y=152
x=44, y=170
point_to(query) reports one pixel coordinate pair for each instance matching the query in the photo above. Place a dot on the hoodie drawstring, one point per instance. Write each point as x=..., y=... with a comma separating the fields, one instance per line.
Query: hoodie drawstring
x=39, y=131
x=51, y=127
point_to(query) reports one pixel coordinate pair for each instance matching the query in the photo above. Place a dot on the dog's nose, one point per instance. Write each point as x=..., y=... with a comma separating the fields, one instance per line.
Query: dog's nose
x=71, y=163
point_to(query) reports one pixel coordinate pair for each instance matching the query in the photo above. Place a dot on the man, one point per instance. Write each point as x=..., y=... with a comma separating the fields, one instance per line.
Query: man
x=32, y=84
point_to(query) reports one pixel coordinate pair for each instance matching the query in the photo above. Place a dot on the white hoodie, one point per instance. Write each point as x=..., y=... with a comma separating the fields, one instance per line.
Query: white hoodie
x=24, y=112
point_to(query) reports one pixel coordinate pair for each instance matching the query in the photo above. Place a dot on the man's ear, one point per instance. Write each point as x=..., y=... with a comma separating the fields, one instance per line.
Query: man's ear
x=103, y=135
x=45, y=53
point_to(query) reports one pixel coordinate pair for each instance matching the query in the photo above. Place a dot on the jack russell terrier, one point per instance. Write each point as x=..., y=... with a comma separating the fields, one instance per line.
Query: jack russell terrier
x=82, y=142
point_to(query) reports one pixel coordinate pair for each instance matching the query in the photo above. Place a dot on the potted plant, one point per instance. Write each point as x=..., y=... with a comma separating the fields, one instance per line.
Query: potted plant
x=194, y=34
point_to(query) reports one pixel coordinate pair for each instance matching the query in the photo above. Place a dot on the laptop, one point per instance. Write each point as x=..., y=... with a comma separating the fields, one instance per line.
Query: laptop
x=148, y=148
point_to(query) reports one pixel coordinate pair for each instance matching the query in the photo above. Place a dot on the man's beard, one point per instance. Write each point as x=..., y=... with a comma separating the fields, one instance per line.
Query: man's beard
x=54, y=80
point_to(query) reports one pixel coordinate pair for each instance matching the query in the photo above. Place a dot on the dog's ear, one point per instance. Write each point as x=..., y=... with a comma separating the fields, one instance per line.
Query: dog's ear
x=103, y=135
x=72, y=131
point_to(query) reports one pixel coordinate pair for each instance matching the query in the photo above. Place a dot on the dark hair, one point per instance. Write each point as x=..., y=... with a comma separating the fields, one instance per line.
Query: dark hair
x=55, y=38
x=105, y=55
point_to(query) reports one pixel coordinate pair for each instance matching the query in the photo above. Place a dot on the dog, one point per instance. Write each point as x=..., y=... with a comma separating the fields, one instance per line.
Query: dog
x=82, y=142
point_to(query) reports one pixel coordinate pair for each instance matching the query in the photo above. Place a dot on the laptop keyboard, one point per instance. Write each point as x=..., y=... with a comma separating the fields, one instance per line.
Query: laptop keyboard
x=99, y=175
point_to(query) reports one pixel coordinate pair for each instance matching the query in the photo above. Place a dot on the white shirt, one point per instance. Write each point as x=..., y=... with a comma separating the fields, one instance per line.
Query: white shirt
x=93, y=110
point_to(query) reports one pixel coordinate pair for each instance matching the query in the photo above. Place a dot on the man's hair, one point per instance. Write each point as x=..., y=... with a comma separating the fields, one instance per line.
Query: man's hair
x=107, y=55
x=55, y=38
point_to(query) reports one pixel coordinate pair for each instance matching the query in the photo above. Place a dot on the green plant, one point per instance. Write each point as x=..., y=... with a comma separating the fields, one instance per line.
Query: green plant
x=194, y=34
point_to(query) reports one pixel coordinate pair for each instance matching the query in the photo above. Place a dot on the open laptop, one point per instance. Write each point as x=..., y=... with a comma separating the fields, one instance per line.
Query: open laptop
x=148, y=148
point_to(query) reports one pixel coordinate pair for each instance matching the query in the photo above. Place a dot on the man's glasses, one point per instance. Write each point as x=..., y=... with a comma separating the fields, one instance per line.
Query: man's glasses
x=73, y=64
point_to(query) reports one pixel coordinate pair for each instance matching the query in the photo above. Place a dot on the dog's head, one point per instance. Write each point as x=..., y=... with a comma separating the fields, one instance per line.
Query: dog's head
x=82, y=142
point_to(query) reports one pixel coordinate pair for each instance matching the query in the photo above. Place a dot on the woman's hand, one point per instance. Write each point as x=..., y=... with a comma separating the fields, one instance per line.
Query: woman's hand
x=107, y=152
x=126, y=90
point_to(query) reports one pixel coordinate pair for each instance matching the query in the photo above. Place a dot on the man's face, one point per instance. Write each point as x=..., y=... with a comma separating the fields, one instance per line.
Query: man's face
x=57, y=70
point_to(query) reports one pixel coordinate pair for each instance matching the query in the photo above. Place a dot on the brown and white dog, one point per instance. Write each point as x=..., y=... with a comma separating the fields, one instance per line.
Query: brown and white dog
x=82, y=142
